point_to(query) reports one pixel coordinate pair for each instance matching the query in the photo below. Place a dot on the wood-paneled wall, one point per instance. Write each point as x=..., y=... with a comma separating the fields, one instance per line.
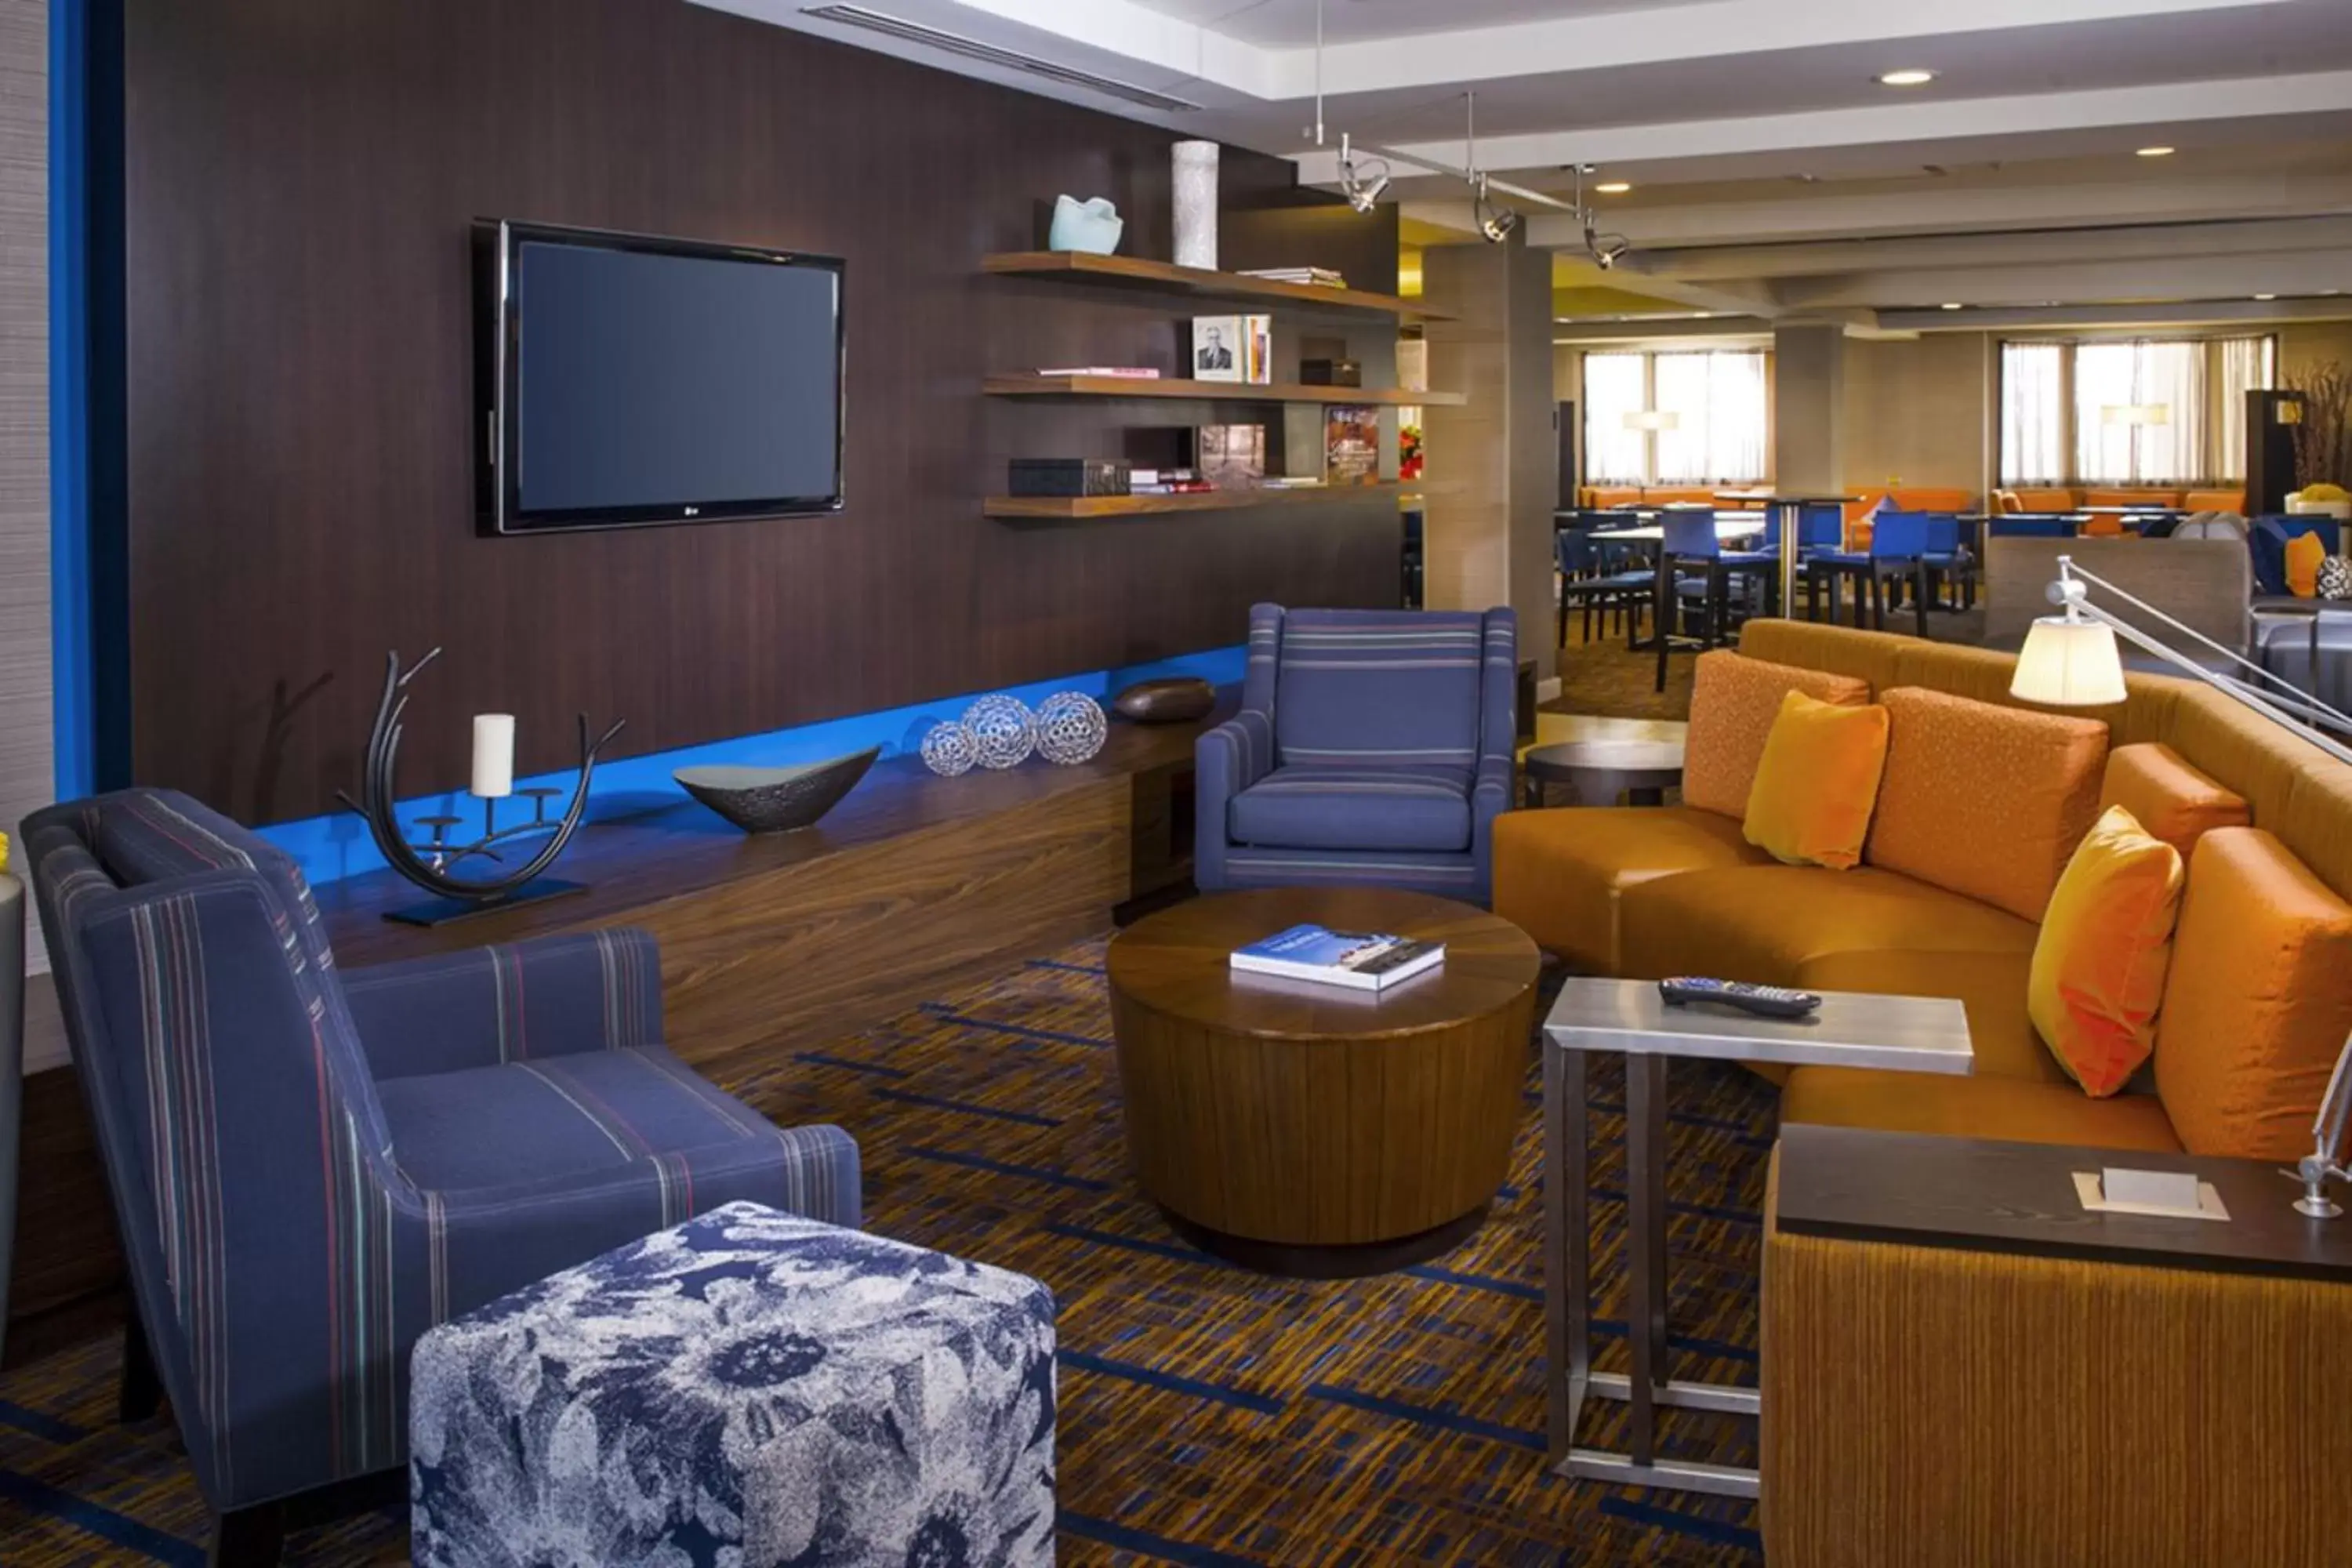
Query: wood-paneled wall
x=27, y=732
x=300, y=177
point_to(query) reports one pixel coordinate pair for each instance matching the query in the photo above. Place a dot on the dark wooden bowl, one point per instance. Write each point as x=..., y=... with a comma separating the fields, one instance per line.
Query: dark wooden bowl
x=1173, y=699
x=776, y=800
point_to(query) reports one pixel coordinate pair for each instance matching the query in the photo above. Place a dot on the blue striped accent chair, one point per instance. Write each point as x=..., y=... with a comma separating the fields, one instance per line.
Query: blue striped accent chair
x=310, y=1170
x=1373, y=747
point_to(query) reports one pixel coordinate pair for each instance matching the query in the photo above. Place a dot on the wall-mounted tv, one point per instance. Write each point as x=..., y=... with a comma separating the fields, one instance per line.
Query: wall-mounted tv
x=625, y=381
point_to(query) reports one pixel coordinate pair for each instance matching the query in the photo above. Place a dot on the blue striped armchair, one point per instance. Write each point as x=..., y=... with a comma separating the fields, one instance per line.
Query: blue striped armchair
x=1372, y=746
x=309, y=1169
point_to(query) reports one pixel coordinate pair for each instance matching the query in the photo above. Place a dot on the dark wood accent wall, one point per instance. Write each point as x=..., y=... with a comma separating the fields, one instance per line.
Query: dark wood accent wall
x=299, y=179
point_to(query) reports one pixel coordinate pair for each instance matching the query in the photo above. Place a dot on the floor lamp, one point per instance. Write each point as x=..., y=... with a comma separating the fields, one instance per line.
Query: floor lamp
x=2070, y=660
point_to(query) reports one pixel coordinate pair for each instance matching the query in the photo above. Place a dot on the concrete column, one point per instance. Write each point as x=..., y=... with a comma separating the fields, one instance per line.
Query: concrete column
x=1808, y=406
x=1492, y=462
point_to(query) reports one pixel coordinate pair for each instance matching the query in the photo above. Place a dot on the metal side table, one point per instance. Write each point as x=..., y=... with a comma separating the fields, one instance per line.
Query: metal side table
x=1917, y=1034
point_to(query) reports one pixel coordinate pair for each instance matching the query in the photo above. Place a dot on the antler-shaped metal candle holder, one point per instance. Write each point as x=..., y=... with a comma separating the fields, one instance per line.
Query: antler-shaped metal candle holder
x=429, y=865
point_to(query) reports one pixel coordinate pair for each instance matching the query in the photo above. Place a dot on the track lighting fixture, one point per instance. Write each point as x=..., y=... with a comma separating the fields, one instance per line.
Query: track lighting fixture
x=1361, y=183
x=1496, y=221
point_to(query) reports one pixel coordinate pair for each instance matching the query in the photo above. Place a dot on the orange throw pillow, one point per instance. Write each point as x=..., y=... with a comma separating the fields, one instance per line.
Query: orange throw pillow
x=1734, y=702
x=2170, y=799
x=2099, y=963
x=2259, y=1003
x=1817, y=783
x=2304, y=555
x=1985, y=800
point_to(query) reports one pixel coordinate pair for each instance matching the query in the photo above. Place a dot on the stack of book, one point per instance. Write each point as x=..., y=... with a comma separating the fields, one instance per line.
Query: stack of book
x=1165, y=481
x=1321, y=277
x=1125, y=372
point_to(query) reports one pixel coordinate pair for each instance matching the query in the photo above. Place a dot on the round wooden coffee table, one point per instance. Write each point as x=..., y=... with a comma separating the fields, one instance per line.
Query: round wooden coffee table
x=1310, y=1129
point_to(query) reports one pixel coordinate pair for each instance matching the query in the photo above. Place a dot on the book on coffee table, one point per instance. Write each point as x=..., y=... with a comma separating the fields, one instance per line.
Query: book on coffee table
x=1362, y=961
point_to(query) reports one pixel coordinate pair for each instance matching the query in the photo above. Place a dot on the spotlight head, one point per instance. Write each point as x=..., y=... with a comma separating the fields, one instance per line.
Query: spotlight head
x=1363, y=183
x=1496, y=221
x=1605, y=249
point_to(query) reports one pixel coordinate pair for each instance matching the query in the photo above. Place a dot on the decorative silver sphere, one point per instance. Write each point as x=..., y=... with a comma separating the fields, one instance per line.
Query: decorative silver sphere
x=950, y=749
x=1003, y=733
x=1070, y=728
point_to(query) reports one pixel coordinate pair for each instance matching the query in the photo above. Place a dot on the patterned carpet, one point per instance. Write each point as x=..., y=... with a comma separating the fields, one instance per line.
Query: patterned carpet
x=1208, y=1415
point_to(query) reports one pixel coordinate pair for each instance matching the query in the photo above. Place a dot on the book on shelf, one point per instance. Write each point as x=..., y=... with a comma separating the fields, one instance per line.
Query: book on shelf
x=1352, y=444
x=1124, y=372
x=1322, y=276
x=1361, y=961
x=1290, y=482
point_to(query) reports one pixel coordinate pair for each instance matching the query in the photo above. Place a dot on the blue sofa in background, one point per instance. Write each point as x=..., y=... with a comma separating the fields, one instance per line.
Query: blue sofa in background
x=309, y=1169
x=1373, y=747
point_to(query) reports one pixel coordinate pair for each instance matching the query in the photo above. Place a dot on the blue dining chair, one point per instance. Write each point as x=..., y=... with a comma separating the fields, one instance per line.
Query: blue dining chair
x=2026, y=526
x=1589, y=579
x=1949, y=563
x=1691, y=541
x=1898, y=549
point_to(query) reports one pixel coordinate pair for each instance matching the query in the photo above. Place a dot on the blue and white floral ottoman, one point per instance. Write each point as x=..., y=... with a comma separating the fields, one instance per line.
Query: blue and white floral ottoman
x=748, y=1389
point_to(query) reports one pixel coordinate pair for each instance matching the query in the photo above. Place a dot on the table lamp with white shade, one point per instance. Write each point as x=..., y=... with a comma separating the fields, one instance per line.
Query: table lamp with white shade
x=2070, y=660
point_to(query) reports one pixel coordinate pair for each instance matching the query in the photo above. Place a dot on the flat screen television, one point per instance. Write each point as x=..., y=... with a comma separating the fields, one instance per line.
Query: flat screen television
x=627, y=380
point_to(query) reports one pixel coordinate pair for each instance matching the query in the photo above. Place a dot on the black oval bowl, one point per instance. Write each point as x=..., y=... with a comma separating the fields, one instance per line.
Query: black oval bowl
x=776, y=800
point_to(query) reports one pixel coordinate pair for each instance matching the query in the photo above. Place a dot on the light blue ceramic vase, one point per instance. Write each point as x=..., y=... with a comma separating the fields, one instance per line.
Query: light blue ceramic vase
x=1091, y=226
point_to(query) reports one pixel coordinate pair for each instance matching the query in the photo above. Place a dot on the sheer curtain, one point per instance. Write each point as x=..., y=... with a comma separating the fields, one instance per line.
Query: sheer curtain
x=2139, y=413
x=1614, y=387
x=2246, y=365
x=2033, y=414
x=1718, y=401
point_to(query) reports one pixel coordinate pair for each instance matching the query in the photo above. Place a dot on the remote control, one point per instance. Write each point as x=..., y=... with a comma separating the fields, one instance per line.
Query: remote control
x=1765, y=1001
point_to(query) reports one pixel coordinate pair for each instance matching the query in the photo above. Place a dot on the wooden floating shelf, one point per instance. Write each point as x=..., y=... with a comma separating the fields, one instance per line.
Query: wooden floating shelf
x=1079, y=266
x=1077, y=507
x=1029, y=384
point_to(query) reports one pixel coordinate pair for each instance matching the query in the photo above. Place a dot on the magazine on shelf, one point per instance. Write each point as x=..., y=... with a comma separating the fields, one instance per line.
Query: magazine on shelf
x=1361, y=961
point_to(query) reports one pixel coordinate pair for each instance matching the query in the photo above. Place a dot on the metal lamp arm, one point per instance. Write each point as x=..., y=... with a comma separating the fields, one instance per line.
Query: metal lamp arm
x=2190, y=668
x=2068, y=570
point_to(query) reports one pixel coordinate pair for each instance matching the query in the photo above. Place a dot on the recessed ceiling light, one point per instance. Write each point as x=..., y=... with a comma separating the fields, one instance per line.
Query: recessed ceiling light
x=1906, y=78
x=1612, y=187
x=2265, y=296
x=2155, y=152
x=1953, y=305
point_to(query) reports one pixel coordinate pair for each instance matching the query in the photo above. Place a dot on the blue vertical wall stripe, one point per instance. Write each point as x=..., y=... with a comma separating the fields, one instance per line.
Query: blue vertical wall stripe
x=68, y=399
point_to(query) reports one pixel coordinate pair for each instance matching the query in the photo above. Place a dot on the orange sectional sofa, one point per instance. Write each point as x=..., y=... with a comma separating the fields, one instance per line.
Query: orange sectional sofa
x=1962, y=859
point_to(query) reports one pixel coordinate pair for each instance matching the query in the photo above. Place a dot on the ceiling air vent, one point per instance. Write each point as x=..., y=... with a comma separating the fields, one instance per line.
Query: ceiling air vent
x=990, y=54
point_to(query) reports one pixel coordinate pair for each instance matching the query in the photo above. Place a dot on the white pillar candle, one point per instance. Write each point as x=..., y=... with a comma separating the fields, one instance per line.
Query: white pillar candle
x=494, y=755
x=1196, y=203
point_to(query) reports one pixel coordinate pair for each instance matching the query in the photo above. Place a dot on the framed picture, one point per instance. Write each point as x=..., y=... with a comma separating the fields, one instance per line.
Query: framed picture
x=1220, y=348
x=1232, y=456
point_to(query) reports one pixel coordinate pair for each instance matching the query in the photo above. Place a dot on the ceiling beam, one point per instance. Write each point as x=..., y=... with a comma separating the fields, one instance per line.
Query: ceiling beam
x=1619, y=38
x=1917, y=121
x=1799, y=259
x=1662, y=235
x=2113, y=281
x=2192, y=314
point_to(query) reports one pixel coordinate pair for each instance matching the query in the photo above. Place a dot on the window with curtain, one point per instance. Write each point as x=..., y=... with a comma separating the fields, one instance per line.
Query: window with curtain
x=2033, y=414
x=2145, y=412
x=1713, y=401
x=1614, y=387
